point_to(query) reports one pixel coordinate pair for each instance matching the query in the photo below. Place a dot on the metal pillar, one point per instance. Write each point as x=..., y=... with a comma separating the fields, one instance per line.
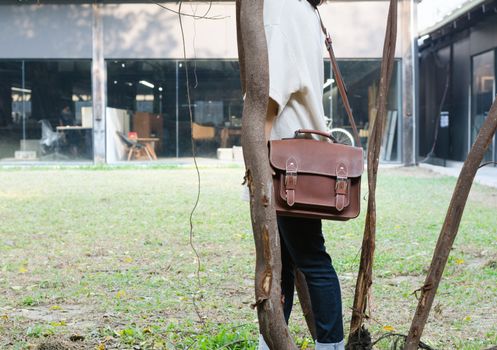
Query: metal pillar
x=177, y=109
x=99, y=86
x=408, y=46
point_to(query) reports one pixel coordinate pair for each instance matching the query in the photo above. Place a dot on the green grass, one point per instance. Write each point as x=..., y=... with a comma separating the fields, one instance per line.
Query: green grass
x=106, y=255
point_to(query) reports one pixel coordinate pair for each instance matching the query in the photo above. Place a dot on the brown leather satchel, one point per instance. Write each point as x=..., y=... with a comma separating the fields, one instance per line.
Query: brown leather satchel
x=318, y=179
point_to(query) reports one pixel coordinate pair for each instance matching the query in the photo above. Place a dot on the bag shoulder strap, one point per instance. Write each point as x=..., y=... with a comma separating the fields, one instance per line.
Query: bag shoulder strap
x=338, y=77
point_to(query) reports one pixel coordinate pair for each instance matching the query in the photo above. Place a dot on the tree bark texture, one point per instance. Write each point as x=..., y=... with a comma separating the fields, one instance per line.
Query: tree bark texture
x=365, y=275
x=253, y=58
x=305, y=302
x=450, y=227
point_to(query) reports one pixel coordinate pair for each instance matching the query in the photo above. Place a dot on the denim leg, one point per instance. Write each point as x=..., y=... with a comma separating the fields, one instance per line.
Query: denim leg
x=287, y=280
x=304, y=242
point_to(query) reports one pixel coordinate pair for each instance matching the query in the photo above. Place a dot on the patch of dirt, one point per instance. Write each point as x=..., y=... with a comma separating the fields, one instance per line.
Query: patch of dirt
x=477, y=263
x=75, y=316
x=56, y=344
x=492, y=264
x=477, y=258
x=411, y=279
x=486, y=196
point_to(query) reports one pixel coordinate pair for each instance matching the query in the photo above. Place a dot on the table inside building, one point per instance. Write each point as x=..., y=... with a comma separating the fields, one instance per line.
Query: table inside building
x=149, y=144
x=228, y=133
x=78, y=138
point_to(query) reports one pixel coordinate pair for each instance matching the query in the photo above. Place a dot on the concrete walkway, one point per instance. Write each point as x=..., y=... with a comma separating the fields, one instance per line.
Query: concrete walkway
x=485, y=176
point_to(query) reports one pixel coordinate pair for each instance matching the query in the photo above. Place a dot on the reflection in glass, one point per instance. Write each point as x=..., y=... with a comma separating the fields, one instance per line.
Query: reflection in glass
x=45, y=107
x=483, y=93
x=154, y=94
x=141, y=95
x=362, y=79
x=216, y=106
x=42, y=110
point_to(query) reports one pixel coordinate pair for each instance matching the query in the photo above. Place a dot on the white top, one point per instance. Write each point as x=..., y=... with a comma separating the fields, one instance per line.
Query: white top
x=296, y=71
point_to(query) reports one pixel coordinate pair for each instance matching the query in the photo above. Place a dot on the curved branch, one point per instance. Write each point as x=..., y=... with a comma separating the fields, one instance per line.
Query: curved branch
x=450, y=227
x=365, y=275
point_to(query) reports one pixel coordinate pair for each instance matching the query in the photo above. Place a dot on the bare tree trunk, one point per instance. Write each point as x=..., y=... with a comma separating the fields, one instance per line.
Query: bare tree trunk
x=252, y=49
x=305, y=302
x=450, y=227
x=365, y=276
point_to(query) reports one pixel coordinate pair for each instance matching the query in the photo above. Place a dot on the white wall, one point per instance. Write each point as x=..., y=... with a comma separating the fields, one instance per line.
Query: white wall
x=45, y=31
x=148, y=31
x=357, y=28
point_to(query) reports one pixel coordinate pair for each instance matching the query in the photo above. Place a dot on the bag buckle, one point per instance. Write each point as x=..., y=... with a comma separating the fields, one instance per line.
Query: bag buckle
x=291, y=173
x=341, y=185
x=290, y=180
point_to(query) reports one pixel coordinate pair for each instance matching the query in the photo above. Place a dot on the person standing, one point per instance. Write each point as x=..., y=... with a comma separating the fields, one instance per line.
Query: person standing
x=296, y=76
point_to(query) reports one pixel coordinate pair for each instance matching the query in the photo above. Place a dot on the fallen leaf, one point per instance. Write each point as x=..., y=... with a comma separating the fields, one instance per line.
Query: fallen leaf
x=388, y=328
x=23, y=269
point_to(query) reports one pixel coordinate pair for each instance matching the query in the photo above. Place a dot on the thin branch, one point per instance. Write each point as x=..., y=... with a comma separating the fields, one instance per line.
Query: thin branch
x=204, y=16
x=402, y=336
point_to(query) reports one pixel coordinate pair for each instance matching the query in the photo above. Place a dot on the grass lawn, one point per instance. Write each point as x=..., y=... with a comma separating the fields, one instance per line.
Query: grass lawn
x=103, y=256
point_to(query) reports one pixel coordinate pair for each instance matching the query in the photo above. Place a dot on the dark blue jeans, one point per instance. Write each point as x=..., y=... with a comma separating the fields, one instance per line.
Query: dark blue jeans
x=302, y=246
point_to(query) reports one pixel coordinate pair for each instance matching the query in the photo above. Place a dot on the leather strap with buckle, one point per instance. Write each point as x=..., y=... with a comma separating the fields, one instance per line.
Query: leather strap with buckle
x=290, y=180
x=341, y=186
x=339, y=80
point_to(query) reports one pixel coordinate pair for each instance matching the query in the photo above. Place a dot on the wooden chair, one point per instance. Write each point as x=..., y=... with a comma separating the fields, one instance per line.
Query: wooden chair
x=204, y=133
x=134, y=148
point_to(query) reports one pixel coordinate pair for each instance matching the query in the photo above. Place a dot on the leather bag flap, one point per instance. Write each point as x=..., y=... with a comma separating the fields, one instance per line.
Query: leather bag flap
x=316, y=157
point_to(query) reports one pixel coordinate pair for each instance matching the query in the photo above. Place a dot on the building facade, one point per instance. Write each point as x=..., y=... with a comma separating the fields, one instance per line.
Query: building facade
x=457, y=75
x=85, y=82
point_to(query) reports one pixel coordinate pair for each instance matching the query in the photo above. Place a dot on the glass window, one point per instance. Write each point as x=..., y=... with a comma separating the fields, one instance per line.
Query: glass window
x=483, y=94
x=153, y=93
x=361, y=78
x=45, y=110
x=141, y=96
x=216, y=104
x=152, y=98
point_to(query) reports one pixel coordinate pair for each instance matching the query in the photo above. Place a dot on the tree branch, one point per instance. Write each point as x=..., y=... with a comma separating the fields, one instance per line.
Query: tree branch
x=450, y=227
x=365, y=275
